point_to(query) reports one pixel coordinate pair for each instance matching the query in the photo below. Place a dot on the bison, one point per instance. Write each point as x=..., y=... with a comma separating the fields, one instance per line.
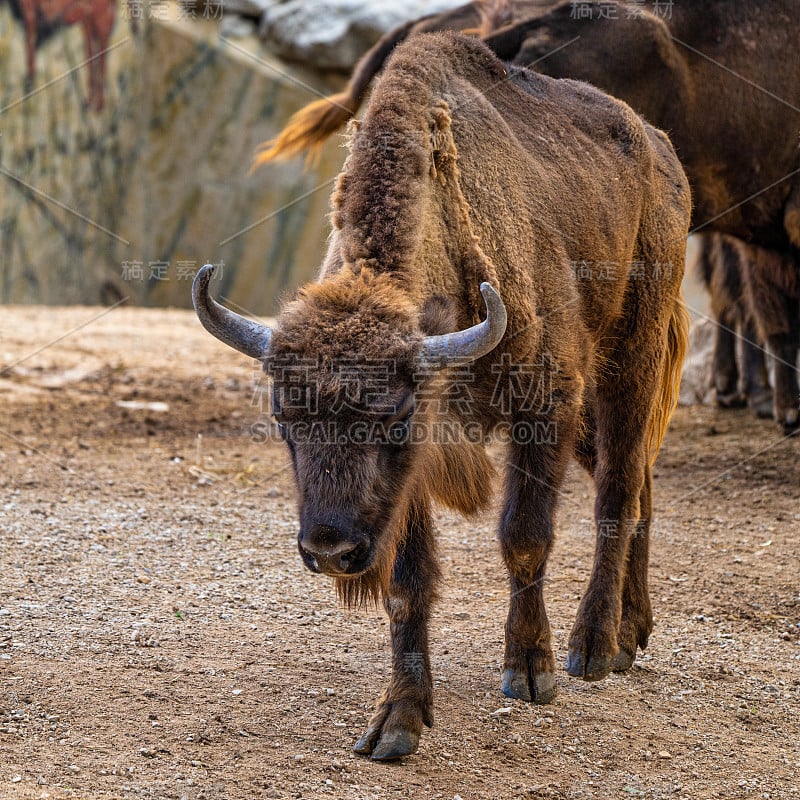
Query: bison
x=570, y=214
x=713, y=75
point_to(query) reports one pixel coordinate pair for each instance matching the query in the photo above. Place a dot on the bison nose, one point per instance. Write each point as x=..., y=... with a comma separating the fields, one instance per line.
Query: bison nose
x=326, y=549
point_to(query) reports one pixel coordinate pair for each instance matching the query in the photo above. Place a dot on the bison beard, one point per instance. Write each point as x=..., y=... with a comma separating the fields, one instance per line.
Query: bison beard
x=462, y=175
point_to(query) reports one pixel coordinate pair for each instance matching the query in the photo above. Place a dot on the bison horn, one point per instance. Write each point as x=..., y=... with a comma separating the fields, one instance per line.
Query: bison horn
x=240, y=333
x=471, y=343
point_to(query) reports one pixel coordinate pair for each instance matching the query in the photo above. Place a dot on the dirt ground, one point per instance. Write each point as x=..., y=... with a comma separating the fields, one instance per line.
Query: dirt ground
x=159, y=636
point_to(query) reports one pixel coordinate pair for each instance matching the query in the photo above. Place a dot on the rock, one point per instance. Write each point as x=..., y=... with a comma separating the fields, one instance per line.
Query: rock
x=334, y=34
x=695, y=380
x=234, y=27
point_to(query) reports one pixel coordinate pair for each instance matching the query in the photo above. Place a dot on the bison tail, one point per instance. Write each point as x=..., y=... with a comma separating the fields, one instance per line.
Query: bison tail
x=308, y=129
x=667, y=399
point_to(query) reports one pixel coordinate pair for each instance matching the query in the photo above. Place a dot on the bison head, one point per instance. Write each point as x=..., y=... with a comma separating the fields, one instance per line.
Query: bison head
x=349, y=361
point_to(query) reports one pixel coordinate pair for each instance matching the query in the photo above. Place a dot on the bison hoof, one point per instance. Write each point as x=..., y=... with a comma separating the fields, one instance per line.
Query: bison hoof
x=790, y=420
x=387, y=746
x=593, y=668
x=760, y=403
x=727, y=400
x=623, y=661
x=394, y=731
x=541, y=690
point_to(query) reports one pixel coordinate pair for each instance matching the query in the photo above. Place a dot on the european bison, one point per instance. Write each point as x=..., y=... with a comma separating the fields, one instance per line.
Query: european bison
x=711, y=73
x=466, y=173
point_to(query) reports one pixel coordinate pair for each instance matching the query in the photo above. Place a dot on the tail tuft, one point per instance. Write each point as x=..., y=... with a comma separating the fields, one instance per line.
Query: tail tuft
x=308, y=129
x=667, y=401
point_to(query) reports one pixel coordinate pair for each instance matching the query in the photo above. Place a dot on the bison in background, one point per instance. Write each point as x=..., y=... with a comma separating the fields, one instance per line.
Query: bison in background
x=466, y=173
x=714, y=76
x=723, y=264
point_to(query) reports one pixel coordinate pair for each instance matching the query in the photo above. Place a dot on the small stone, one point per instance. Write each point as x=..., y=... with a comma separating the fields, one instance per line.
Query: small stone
x=501, y=712
x=664, y=754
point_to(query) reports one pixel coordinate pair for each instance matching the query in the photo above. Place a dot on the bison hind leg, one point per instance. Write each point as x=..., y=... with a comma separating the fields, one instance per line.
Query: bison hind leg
x=636, y=622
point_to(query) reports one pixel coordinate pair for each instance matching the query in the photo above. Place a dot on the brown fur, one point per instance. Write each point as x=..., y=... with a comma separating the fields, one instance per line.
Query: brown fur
x=677, y=344
x=495, y=14
x=462, y=172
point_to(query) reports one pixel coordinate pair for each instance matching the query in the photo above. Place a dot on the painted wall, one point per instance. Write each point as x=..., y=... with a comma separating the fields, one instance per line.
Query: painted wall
x=122, y=179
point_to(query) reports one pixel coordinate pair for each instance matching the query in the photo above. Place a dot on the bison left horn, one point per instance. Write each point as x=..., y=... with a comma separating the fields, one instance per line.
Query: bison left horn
x=242, y=334
x=471, y=343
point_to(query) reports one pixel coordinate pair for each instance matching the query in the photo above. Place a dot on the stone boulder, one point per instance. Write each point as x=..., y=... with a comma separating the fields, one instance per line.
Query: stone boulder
x=334, y=34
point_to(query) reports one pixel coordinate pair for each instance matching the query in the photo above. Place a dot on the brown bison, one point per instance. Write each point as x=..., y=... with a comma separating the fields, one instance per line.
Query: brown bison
x=42, y=18
x=561, y=201
x=713, y=74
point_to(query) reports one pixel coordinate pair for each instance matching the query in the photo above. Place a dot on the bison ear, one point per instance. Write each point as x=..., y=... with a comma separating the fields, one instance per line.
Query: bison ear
x=438, y=316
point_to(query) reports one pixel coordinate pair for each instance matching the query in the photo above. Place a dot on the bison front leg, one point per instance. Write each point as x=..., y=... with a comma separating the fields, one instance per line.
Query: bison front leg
x=407, y=704
x=526, y=537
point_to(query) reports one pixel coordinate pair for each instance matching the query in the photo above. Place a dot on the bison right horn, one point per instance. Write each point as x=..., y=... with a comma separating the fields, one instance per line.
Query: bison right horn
x=242, y=334
x=471, y=343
